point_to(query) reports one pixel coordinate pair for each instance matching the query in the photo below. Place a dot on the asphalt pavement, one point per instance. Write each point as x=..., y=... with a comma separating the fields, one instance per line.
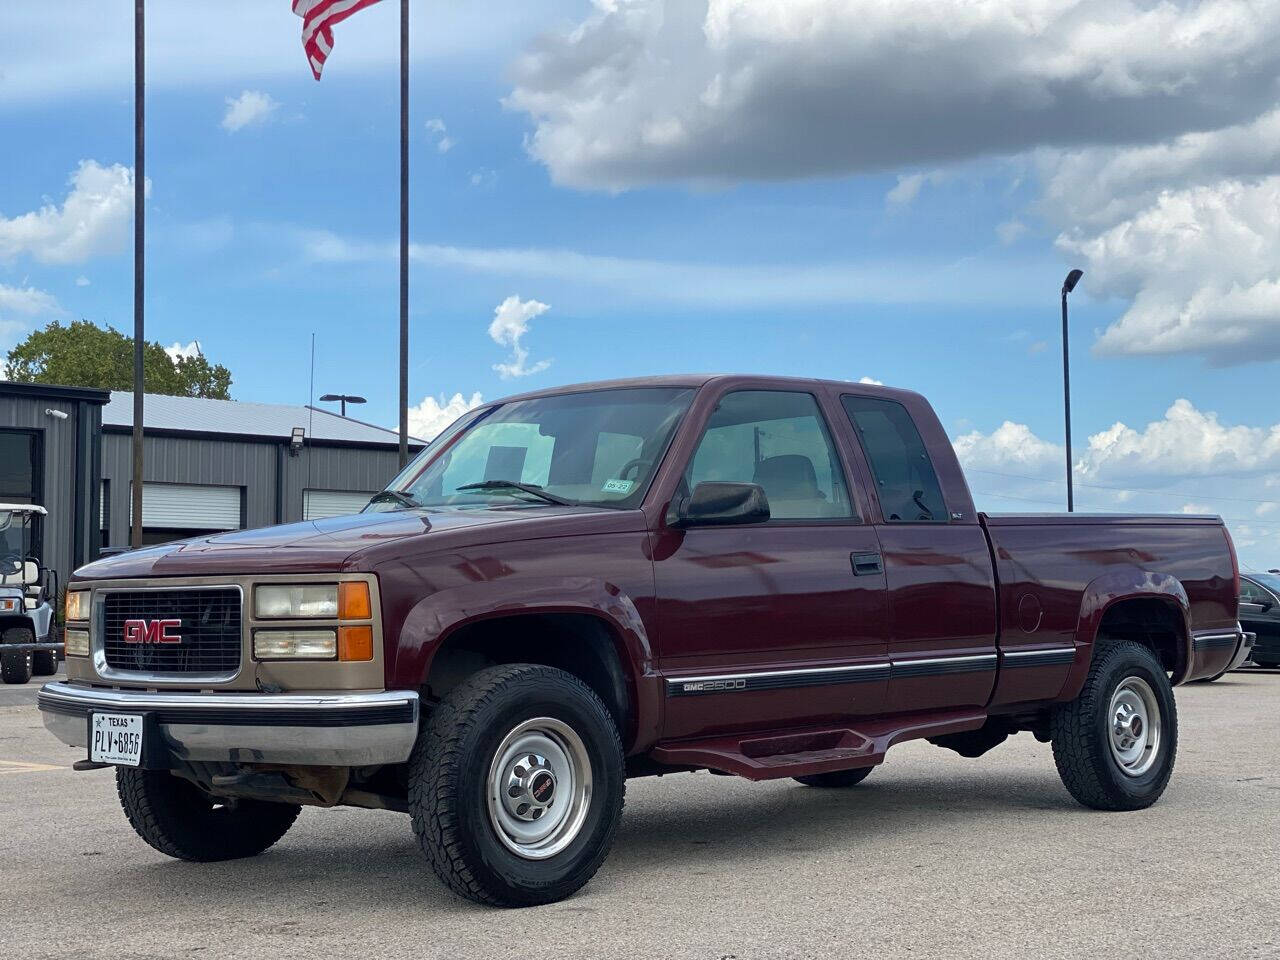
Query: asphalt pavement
x=934, y=856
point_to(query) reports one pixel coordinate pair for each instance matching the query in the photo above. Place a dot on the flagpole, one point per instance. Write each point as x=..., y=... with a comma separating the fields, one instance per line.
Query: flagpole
x=404, y=231
x=139, y=261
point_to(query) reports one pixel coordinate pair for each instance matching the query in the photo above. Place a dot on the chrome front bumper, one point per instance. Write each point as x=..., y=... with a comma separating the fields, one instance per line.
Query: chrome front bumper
x=325, y=729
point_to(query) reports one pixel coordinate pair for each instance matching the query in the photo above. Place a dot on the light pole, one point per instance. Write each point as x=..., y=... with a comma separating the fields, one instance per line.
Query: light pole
x=344, y=398
x=1068, y=285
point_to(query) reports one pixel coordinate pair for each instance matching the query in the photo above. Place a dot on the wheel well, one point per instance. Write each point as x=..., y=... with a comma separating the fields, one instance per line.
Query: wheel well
x=1152, y=622
x=577, y=643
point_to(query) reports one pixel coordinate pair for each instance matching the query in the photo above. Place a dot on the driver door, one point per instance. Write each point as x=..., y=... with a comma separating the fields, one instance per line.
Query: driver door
x=771, y=624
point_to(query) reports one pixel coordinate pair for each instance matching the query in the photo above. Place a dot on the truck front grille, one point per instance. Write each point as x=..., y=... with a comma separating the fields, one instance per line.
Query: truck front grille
x=139, y=628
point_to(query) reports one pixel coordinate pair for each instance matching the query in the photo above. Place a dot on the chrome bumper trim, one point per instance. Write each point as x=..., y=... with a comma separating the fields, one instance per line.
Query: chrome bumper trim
x=327, y=729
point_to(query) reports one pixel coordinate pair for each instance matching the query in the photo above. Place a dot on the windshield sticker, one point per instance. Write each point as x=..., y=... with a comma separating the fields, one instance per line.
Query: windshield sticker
x=618, y=486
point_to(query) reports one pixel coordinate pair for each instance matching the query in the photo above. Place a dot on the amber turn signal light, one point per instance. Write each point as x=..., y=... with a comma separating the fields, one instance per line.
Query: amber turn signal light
x=353, y=603
x=355, y=643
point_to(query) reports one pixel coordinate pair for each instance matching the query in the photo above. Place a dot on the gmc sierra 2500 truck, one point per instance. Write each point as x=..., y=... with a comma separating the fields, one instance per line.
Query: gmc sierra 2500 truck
x=756, y=576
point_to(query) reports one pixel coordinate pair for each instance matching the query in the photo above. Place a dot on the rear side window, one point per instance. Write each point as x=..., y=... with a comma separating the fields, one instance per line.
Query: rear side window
x=904, y=474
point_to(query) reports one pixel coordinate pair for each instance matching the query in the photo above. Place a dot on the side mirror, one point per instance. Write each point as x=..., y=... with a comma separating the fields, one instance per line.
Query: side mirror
x=716, y=504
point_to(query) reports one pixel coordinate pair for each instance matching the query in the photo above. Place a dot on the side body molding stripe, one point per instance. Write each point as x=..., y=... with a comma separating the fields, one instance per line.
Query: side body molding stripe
x=749, y=682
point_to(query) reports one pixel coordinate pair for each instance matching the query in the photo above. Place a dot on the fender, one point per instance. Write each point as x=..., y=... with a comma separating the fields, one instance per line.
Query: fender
x=434, y=618
x=1106, y=591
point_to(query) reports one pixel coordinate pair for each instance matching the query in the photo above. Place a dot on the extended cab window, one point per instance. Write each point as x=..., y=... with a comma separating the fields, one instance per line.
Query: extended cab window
x=779, y=441
x=904, y=475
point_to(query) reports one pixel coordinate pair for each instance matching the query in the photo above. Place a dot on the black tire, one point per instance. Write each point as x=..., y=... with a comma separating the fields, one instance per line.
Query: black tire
x=837, y=778
x=182, y=821
x=15, y=666
x=1082, y=732
x=450, y=769
x=44, y=663
x=1266, y=662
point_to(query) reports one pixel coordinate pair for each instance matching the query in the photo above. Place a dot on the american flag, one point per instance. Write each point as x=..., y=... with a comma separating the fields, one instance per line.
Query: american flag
x=318, y=18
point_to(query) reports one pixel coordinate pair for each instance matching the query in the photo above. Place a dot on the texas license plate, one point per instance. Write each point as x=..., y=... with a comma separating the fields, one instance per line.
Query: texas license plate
x=116, y=738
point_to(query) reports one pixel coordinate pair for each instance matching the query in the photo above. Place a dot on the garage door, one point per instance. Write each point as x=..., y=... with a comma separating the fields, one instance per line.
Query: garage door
x=318, y=504
x=184, y=506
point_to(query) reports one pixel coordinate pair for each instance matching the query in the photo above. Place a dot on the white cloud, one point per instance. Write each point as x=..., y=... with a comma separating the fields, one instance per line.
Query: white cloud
x=1185, y=443
x=82, y=281
x=94, y=220
x=252, y=107
x=433, y=414
x=179, y=351
x=510, y=323
x=28, y=301
x=717, y=285
x=1201, y=266
x=872, y=381
x=440, y=134
x=1010, y=231
x=645, y=91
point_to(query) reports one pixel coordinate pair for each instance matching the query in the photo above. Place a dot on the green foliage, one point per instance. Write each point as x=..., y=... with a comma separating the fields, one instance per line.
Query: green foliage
x=82, y=354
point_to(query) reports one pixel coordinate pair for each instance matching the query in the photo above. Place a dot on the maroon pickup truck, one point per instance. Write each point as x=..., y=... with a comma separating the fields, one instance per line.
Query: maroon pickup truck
x=756, y=576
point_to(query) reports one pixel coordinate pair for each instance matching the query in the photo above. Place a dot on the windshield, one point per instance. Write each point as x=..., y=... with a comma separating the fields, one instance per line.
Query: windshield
x=598, y=448
x=15, y=534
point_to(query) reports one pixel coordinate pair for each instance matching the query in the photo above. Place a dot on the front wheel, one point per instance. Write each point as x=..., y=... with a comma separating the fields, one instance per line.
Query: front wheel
x=516, y=785
x=182, y=821
x=1115, y=744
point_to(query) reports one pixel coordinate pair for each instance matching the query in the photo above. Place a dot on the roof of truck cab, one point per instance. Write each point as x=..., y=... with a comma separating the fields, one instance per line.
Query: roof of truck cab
x=696, y=380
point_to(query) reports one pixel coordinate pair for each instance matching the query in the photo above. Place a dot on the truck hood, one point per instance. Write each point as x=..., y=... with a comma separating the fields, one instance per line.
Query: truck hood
x=322, y=546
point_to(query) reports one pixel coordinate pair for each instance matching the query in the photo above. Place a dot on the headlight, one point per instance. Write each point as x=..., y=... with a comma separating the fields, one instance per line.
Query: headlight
x=296, y=601
x=77, y=605
x=295, y=644
x=77, y=642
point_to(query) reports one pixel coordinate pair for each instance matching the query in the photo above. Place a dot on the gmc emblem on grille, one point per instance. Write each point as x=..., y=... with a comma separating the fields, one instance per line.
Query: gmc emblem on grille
x=151, y=631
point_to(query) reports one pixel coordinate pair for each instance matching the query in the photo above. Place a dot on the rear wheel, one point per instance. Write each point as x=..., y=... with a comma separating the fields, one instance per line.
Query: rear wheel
x=1265, y=661
x=15, y=666
x=1115, y=744
x=516, y=785
x=837, y=778
x=182, y=821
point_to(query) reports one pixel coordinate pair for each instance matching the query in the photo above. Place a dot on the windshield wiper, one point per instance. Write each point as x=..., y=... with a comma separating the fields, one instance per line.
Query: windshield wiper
x=394, y=496
x=514, y=486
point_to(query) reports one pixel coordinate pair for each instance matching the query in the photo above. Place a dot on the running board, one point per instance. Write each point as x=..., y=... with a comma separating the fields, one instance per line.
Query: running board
x=796, y=753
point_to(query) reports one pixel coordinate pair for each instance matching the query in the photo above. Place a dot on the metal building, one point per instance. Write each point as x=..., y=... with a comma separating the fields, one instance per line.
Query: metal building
x=210, y=465
x=50, y=454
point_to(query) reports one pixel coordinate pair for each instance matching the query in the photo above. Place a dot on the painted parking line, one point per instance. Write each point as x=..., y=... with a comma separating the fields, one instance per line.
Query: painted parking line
x=16, y=766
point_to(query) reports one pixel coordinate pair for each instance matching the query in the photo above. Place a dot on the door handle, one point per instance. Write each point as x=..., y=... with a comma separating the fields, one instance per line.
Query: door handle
x=866, y=564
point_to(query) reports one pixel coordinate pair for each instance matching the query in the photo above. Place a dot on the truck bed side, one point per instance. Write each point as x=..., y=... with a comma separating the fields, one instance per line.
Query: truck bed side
x=1064, y=580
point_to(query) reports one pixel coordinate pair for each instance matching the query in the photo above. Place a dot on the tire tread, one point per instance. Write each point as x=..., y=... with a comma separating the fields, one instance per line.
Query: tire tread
x=433, y=785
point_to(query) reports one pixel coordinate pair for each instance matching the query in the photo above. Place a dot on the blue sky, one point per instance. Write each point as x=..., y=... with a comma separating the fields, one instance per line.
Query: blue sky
x=744, y=185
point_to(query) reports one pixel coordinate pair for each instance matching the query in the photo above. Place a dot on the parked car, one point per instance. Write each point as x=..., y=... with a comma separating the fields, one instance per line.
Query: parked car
x=28, y=594
x=758, y=576
x=1260, y=613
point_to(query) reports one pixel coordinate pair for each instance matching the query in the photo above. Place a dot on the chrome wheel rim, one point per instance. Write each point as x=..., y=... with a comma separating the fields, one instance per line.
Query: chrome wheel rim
x=1134, y=726
x=539, y=788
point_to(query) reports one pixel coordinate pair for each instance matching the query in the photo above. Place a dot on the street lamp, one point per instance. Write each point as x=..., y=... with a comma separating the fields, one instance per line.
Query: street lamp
x=344, y=398
x=1068, y=285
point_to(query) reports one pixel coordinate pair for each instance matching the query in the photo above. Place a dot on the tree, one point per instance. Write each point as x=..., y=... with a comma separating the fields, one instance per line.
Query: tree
x=82, y=354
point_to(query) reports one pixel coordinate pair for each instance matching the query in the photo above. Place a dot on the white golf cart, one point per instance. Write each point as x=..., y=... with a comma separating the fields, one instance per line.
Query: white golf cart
x=28, y=592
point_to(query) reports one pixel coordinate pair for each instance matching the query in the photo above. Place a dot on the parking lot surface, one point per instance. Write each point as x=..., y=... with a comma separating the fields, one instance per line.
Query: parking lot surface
x=934, y=856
